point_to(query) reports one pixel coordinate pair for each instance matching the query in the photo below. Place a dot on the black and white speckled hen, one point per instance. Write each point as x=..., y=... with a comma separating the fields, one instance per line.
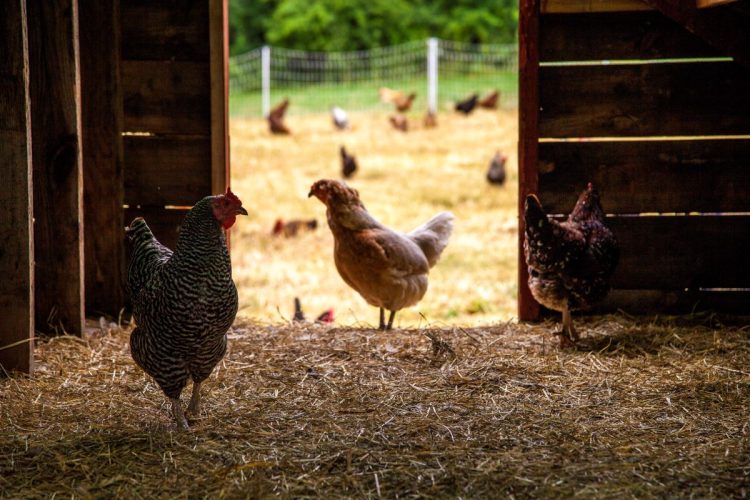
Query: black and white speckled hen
x=183, y=301
x=571, y=262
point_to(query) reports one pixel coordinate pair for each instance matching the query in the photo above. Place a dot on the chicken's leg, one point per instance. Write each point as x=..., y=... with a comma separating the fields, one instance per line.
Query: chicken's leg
x=382, y=319
x=390, y=320
x=568, y=335
x=179, y=417
x=195, y=400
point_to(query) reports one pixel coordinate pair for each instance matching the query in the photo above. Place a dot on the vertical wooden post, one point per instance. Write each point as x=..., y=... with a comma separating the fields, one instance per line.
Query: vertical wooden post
x=528, y=133
x=16, y=197
x=55, y=131
x=219, y=56
x=101, y=140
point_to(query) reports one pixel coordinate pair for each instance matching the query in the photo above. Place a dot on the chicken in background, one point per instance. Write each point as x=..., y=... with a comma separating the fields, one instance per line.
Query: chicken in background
x=388, y=269
x=389, y=96
x=403, y=103
x=468, y=105
x=399, y=122
x=496, y=172
x=490, y=100
x=348, y=163
x=184, y=301
x=430, y=120
x=293, y=227
x=340, y=118
x=570, y=263
x=276, y=118
x=326, y=316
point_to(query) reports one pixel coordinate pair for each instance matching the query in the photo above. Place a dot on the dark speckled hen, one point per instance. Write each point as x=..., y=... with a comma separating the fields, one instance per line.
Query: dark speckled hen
x=183, y=301
x=571, y=262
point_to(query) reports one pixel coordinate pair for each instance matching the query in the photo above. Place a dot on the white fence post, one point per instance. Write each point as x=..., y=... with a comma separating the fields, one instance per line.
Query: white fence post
x=265, y=63
x=432, y=74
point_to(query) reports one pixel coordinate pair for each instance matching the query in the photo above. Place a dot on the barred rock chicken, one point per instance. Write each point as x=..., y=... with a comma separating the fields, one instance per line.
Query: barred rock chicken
x=348, y=163
x=388, y=269
x=571, y=262
x=183, y=301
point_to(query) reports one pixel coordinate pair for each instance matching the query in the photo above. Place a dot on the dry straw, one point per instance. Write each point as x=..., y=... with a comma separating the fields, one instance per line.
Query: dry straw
x=641, y=408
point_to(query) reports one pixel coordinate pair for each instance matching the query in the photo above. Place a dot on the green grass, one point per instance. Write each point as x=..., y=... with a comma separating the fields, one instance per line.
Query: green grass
x=316, y=98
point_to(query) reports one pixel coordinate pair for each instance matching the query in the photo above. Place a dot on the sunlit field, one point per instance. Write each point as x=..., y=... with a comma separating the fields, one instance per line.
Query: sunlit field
x=403, y=179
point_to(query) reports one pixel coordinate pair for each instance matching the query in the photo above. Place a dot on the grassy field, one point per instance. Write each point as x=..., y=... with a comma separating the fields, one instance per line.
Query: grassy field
x=404, y=179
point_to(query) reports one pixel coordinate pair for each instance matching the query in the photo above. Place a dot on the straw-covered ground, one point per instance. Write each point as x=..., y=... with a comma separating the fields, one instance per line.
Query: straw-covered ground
x=642, y=408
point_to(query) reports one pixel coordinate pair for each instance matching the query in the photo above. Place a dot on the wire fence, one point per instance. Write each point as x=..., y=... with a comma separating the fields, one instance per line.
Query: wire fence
x=440, y=72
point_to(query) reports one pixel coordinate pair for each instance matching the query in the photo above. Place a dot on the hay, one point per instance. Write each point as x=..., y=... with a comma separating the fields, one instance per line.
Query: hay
x=641, y=408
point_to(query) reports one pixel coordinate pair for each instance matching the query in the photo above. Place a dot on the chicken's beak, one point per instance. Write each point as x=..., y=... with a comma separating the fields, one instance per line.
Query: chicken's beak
x=241, y=211
x=309, y=195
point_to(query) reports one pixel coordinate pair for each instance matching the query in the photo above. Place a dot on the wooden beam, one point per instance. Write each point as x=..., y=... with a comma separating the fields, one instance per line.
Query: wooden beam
x=16, y=197
x=58, y=189
x=528, y=130
x=702, y=4
x=574, y=6
x=101, y=117
x=724, y=27
x=219, y=50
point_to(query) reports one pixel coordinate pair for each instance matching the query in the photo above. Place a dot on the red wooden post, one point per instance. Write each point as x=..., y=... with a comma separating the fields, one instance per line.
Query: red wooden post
x=58, y=184
x=528, y=130
x=16, y=197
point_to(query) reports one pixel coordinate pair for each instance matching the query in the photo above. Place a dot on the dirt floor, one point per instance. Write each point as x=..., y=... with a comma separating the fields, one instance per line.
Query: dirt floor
x=642, y=408
x=403, y=180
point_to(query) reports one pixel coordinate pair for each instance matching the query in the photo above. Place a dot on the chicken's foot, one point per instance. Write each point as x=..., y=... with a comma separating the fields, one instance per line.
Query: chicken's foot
x=568, y=335
x=195, y=400
x=390, y=320
x=382, y=319
x=179, y=416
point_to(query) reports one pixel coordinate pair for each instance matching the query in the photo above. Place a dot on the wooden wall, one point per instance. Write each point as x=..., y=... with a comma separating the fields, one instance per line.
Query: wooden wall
x=665, y=142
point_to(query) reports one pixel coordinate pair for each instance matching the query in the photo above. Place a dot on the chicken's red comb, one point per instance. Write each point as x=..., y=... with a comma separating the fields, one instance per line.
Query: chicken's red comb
x=232, y=197
x=590, y=186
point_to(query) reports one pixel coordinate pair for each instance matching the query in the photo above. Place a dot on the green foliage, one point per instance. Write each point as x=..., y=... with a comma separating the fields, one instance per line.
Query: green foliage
x=342, y=25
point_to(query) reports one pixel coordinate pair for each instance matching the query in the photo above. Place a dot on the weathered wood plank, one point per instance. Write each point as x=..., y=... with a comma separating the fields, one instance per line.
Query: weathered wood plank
x=56, y=146
x=702, y=4
x=165, y=224
x=617, y=36
x=573, y=6
x=674, y=302
x=648, y=176
x=681, y=252
x=167, y=170
x=101, y=118
x=165, y=97
x=163, y=30
x=528, y=130
x=711, y=98
x=16, y=198
x=219, y=45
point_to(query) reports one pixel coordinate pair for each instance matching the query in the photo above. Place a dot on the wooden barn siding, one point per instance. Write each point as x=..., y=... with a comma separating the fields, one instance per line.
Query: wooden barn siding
x=667, y=261
x=16, y=198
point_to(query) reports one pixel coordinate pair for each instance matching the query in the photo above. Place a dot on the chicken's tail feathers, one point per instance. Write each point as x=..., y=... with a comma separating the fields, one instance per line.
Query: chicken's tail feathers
x=534, y=215
x=432, y=236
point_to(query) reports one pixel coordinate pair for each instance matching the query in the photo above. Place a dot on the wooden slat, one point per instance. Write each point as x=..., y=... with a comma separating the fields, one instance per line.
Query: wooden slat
x=725, y=27
x=166, y=170
x=648, y=176
x=165, y=224
x=101, y=118
x=219, y=44
x=17, y=254
x=644, y=100
x=572, y=6
x=677, y=253
x=164, y=97
x=58, y=189
x=528, y=129
x=617, y=36
x=702, y=4
x=674, y=302
x=165, y=30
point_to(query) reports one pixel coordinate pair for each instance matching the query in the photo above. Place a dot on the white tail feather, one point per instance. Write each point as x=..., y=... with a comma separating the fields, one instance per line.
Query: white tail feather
x=432, y=236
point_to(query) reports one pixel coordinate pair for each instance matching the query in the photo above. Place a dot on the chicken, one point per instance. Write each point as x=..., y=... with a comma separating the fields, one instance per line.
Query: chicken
x=348, y=163
x=276, y=118
x=496, y=172
x=490, y=100
x=388, y=269
x=183, y=301
x=403, y=103
x=326, y=316
x=293, y=227
x=399, y=122
x=430, y=120
x=468, y=105
x=570, y=263
x=340, y=118
x=388, y=95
